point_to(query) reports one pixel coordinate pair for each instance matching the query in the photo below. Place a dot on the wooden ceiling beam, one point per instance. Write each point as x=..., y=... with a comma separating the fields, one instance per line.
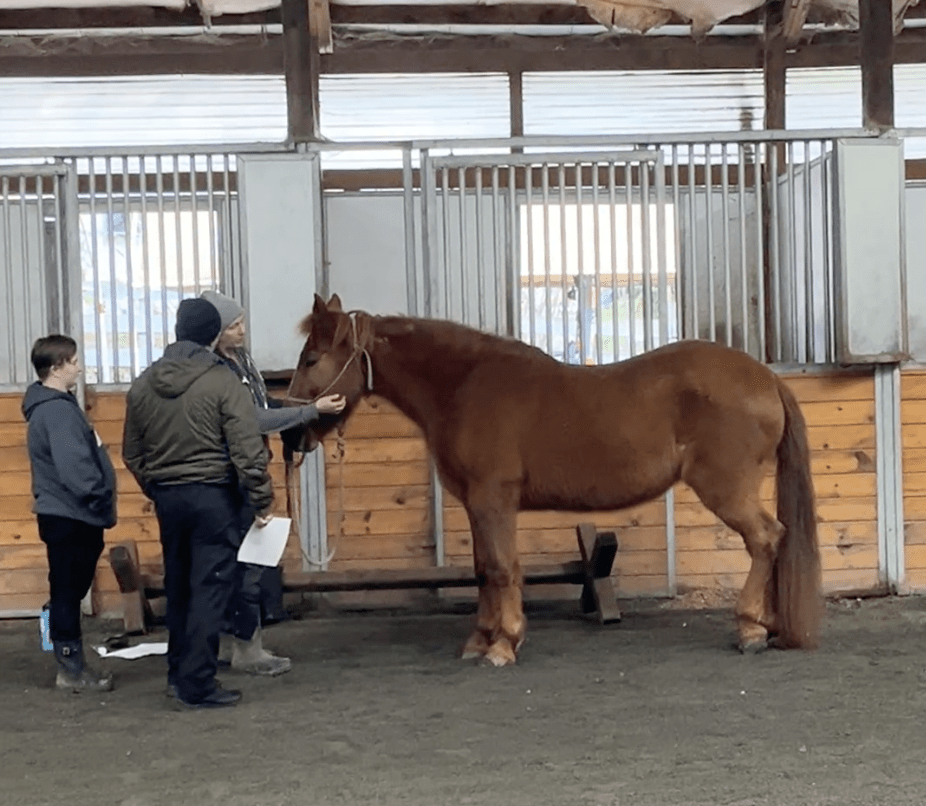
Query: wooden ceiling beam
x=794, y=15
x=264, y=55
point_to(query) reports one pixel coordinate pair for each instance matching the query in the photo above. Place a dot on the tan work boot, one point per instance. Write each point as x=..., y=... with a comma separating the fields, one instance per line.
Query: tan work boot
x=226, y=648
x=252, y=658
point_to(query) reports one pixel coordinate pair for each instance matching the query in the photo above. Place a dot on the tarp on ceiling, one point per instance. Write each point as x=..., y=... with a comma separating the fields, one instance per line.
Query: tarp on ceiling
x=628, y=15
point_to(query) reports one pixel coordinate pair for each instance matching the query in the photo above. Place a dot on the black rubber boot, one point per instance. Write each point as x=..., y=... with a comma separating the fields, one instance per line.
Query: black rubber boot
x=73, y=672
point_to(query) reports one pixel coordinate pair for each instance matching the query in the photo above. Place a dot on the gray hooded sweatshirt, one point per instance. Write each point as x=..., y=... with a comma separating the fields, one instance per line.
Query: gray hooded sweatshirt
x=72, y=475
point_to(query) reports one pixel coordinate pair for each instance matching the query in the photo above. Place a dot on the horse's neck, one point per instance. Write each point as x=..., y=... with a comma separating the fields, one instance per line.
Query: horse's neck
x=410, y=370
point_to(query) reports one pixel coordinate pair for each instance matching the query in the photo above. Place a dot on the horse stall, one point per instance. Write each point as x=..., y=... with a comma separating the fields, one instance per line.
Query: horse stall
x=592, y=249
x=567, y=200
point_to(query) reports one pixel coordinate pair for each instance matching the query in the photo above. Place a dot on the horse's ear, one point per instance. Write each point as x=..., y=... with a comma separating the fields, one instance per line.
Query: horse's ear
x=334, y=304
x=319, y=315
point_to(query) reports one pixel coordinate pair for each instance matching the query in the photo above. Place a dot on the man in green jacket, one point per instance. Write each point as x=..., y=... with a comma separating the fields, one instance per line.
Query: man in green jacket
x=192, y=442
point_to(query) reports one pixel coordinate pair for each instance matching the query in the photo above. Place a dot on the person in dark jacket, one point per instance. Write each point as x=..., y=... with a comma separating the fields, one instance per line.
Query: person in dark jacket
x=74, y=487
x=243, y=645
x=192, y=442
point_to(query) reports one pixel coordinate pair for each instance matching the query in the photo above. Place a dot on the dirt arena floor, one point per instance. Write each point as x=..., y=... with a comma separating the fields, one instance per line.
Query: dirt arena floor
x=658, y=710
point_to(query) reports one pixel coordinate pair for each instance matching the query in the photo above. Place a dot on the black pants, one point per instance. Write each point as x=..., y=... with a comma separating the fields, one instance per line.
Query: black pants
x=243, y=614
x=258, y=591
x=73, y=549
x=200, y=536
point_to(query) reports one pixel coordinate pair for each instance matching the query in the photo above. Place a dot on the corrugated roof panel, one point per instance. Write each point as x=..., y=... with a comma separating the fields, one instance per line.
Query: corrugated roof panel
x=644, y=102
x=162, y=110
x=173, y=110
x=408, y=107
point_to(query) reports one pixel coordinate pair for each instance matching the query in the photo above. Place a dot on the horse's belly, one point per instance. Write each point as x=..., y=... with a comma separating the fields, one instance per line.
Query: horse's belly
x=591, y=491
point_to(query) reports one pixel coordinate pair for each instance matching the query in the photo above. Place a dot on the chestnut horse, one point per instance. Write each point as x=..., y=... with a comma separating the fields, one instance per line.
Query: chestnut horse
x=511, y=428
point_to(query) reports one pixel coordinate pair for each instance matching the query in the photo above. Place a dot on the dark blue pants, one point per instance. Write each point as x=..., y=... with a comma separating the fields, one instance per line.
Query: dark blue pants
x=200, y=536
x=73, y=548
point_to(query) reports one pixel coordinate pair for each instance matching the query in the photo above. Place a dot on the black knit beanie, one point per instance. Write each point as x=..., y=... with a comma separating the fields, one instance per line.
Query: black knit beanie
x=198, y=321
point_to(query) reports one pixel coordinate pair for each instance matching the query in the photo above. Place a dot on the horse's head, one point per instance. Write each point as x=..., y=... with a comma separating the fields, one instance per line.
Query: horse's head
x=333, y=361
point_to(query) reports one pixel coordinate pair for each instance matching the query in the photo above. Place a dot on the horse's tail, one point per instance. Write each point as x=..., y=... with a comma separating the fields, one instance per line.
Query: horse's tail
x=797, y=583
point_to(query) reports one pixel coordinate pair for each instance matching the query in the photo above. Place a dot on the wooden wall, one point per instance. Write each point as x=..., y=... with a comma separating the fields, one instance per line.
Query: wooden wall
x=386, y=515
x=839, y=411
x=378, y=505
x=23, y=567
x=913, y=434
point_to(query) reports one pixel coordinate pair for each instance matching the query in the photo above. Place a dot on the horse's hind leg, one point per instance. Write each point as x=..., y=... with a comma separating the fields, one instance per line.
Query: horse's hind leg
x=740, y=508
x=500, y=623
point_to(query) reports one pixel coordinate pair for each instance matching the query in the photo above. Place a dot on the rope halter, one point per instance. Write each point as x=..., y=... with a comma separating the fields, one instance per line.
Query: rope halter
x=358, y=351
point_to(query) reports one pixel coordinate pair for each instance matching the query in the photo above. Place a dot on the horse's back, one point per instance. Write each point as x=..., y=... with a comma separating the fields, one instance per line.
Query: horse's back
x=614, y=435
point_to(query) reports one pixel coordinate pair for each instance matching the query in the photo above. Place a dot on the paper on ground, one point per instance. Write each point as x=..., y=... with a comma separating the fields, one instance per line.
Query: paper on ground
x=137, y=651
x=263, y=545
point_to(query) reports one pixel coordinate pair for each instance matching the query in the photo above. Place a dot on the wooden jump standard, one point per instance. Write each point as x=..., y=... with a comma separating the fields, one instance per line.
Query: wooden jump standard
x=592, y=572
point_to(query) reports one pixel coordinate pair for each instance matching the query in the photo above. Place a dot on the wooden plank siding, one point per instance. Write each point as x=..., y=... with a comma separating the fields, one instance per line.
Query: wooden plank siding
x=23, y=568
x=839, y=410
x=379, y=516
x=378, y=505
x=913, y=439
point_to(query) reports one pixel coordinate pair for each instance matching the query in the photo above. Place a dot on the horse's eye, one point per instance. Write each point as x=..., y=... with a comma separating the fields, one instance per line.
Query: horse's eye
x=311, y=359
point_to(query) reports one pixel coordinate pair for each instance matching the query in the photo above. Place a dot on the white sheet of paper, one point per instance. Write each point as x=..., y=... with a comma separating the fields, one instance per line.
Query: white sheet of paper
x=137, y=651
x=264, y=545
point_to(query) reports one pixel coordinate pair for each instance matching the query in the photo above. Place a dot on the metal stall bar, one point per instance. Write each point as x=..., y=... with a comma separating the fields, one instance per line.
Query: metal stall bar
x=411, y=268
x=889, y=468
x=145, y=258
x=547, y=252
x=662, y=279
x=725, y=220
x=692, y=262
x=596, y=240
x=744, y=273
x=134, y=368
x=431, y=242
x=760, y=253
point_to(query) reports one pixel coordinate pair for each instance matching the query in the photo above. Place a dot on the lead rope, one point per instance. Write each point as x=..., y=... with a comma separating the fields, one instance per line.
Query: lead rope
x=342, y=517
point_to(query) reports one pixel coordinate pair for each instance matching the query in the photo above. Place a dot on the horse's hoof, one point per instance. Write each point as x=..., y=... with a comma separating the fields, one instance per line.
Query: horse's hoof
x=752, y=647
x=476, y=647
x=501, y=654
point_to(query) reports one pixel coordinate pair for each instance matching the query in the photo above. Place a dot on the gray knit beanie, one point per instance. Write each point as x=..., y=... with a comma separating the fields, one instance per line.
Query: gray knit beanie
x=228, y=309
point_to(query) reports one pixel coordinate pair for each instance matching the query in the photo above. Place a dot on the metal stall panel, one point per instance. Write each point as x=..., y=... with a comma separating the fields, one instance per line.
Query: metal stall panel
x=915, y=256
x=367, y=263
x=279, y=214
x=34, y=281
x=802, y=230
x=718, y=202
x=870, y=273
x=567, y=251
x=280, y=223
x=571, y=252
x=153, y=228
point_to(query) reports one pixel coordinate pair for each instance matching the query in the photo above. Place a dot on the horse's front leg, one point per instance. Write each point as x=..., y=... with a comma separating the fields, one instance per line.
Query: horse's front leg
x=500, y=623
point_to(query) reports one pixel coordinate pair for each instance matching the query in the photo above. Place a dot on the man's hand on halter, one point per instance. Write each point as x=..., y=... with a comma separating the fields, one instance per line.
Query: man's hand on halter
x=331, y=404
x=263, y=519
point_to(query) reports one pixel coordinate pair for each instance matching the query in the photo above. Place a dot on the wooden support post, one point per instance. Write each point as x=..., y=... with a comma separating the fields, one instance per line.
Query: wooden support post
x=123, y=558
x=598, y=551
x=876, y=55
x=301, y=65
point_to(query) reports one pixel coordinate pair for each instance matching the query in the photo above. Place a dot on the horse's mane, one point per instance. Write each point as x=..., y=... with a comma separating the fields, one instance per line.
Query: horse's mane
x=463, y=340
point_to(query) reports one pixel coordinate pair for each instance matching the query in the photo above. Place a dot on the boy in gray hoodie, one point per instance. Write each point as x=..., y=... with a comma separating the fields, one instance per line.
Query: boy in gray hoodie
x=74, y=487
